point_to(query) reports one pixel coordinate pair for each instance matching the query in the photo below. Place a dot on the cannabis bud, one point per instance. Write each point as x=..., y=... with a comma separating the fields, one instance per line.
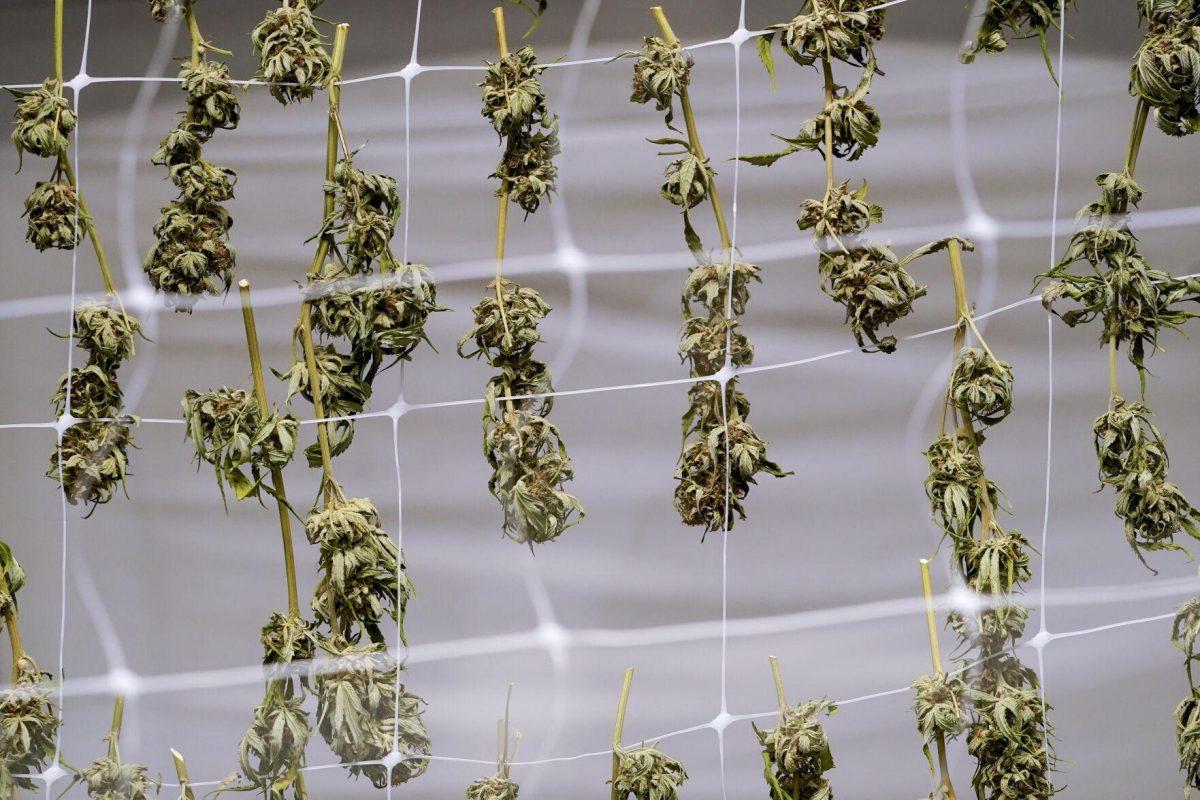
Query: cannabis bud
x=92, y=460
x=513, y=101
x=230, y=432
x=797, y=752
x=1164, y=72
x=493, y=787
x=1186, y=626
x=359, y=714
x=192, y=255
x=106, y=331
x=286, y=638
x=28, y=724
x=662, y=70
x=55, y=220
x=109, y=779
x=1023, y=19
x=1009, y=741
x=998, y=562
x=44, y=120
x=981, y=385
x=359, y=562
x=939, y=706
x=647, y=773
x=954, y=484
x=1187, y=736
x=291, y=51
x=344, y=391
x=874, y=287
x=841, y=212
x=271, y=752
x=844, y=31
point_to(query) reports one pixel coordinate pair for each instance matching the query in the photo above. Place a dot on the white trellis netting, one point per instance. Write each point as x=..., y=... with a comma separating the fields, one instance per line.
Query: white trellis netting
x=549, y=635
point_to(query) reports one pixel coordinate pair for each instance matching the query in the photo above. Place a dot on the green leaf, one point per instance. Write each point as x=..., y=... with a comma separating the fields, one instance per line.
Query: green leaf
x=766, y=56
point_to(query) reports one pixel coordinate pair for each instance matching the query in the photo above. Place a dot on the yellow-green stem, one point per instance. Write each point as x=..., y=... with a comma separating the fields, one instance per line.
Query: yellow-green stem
x=827, y=74
x=780, y=693
x=689, y=119
x=1114, y=382
x=936, y=656
x=85, y=216
x=619, y=728
x=310, y=361
x=14, y=631
x=502, y=209
x=189, y=14
x=181, y=772
x=58, y=41
x=333, y=91
x=260, y=395
x=114, y=731
x=1140, y=113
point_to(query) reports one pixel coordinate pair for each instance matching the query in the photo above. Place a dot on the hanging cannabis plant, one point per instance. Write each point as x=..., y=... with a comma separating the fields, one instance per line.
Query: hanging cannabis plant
x=871, y=282
x=796, y=753
x=381, y=317
x=28, y=717
x=110, y=778
x=192, y=255
x=529, y=461
x=1008, y=733
x=91, y=458
x=643, y=772
x=1134, y=301
x=1019, y=19
x=291, y=51
x=721, y=452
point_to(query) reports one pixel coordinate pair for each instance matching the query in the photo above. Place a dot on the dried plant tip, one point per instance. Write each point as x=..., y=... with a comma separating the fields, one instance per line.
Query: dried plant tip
x=797, y=752
x=647, y=773
x=55, y=219
x=359, y=564
x=1166, y=67
x=844, y=31
x=291, y=51
x=874, y=287
x=230, y=432
x=286, y=638
x=939, y=706
x=92, y=460
x=161, y=9
x=192, y=256
x=43, y=120
x=360, y=715
x=981, y=386
x=106, y=331
x=953, y=485
x=493, y=787
x=94, y=393
x=662, y=71
x=706, y=341
x=530, y=466
x=709, y=282
x=505, y=329
x=29, y=724
x=527, y=166
x=212, y=103
x=840, y=213
x=998, y=563
x=109, y=779
x=1020, y=19
x=688, y=181
x=512, y=94
x=271, y=752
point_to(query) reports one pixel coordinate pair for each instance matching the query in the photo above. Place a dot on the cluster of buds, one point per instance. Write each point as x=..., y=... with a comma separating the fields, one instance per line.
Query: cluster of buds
x=870, y=281
x=1019, y=19
x=529, y=461
x=42, y=126
x=192, y=255
x=91, y=460
x=647, y=773
x=1165, y=73
x=1184, y=633
x=515, y=104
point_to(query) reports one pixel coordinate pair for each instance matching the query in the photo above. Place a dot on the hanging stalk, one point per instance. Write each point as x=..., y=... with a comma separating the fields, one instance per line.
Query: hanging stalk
x=619, y=729
x=333, y=91
x=114, y=731
x=14, y=631
x=936, y=657
x=502, y=213
x=181, y=771
x=260, y=395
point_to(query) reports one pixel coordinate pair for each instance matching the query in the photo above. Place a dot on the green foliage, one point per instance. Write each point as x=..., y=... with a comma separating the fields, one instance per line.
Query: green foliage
x=493, y=787
x=55, y=220
x=981, y=386
x=44, y=120
x=107, y=778
x=647, y=773
x=940, y=708
x=271, y=752
x=797, y=754
x=1020, y=19
x=291, y=51
x=29, y=720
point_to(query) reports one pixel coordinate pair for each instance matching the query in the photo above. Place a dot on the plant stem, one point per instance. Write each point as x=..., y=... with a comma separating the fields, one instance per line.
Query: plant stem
x=936, y=656
x=780, y=694
x=14, y=631
x=502, y=211
x=260, y=394
x=1114, y=382
x=114, y=732
x=619, y=728
x=85, y=216
x=189, y=14
x=827, y=73
x=689, y=119
x=310, y=361
x=58, y=42
x=333, y=91
x=1140, y=112
x=502, y=737
x=181, y=770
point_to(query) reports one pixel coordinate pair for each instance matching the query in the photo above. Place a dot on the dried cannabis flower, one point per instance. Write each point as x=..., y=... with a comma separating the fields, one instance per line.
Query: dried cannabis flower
x=44, y=120
x=662, y=70
x=359, y=562
x=55, y=220
x=1165, y=72
x=92, y=461
x=28, y=725
x=1024, y=19
x=359, y=715
x=106, y=331
x=515, y=104
x=271, y=752
x=981, y=385
x=364, y=213
x=796, y=752
x=287, y=638
x=291, y=51
x=109, y=779
x=939, y=706
x=1009, y=740
x=1133, y=460
x=229, y=432
x=493, y=787
x=844, y=31
x=1184, y=632
x=646, y=773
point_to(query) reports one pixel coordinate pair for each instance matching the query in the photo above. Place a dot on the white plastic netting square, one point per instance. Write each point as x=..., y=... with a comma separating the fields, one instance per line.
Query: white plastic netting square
x=161, y=597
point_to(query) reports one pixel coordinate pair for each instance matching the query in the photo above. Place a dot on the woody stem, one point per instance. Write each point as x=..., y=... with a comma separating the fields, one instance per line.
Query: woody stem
x=114, y=732
x=260, y=395
x=502, y=209
x=14, y=631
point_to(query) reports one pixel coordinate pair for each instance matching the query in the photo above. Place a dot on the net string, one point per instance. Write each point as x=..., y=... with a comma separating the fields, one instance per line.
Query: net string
x=549, y=634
